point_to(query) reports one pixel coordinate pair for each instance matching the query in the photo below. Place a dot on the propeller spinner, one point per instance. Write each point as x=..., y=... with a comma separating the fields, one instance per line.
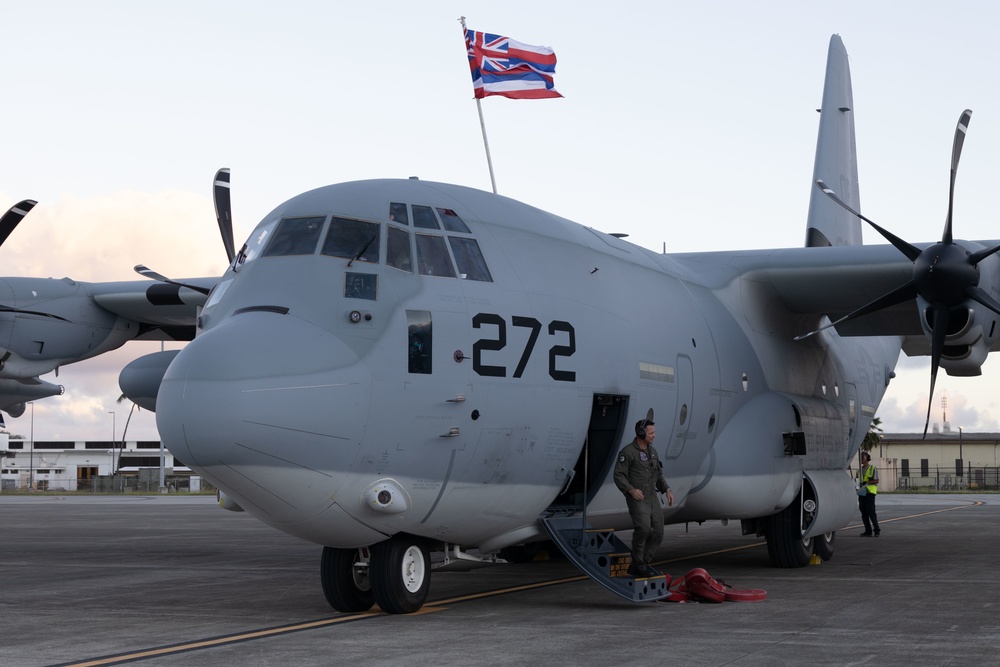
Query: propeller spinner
x=945, y=274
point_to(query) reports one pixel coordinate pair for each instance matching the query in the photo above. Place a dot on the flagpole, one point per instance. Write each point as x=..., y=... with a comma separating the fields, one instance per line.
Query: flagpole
x=482, y=124
x=486, y=143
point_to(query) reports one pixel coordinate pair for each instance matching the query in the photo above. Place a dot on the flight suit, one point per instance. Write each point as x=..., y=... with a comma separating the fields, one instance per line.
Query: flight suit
x=642, y=469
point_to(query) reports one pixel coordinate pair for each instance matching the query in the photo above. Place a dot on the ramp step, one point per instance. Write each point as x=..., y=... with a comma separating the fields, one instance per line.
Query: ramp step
x=603, y=557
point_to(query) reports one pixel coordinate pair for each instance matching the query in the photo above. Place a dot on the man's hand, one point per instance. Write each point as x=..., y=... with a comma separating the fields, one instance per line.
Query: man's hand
x=636, y=494
x=670, y=498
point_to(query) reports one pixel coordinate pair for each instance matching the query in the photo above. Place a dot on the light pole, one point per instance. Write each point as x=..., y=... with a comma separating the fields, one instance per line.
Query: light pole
x=113, y=430
x=31, y=450
x=961, y=459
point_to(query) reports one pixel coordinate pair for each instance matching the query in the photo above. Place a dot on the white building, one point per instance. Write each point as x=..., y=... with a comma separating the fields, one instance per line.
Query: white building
x=78, y=465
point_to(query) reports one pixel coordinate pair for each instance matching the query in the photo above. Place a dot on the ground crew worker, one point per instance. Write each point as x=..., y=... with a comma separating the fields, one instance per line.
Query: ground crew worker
x=639, y=475
x=868, y=480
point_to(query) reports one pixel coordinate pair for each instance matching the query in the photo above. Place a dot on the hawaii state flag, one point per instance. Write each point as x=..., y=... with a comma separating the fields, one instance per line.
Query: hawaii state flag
x=503, y=66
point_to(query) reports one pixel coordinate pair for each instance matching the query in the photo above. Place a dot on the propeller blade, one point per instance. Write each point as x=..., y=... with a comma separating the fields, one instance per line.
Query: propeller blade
x=20, y=311
x=956, y=152
x=898, y=295
x=980, y=255
x=902, y=246
x=145, y=271
x=976, y=293
x=941, y=316
x=224, y=211
x=14, y=215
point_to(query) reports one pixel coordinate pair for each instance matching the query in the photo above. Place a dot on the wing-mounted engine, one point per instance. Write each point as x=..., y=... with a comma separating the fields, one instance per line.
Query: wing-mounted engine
x=958, y=316
x=972, y=327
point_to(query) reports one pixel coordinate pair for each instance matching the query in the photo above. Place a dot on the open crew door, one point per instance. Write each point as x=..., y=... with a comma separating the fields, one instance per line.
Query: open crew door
x=598, y=553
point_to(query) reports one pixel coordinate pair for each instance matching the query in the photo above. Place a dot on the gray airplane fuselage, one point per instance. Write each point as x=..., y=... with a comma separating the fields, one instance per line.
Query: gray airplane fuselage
x=346, y=396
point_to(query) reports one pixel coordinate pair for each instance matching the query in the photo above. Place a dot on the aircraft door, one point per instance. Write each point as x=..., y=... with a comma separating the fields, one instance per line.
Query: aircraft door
x=596, y=462
x=681, y=428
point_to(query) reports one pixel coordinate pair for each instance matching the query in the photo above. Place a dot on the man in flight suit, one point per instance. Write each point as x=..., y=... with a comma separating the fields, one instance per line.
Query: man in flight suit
x=639, y=475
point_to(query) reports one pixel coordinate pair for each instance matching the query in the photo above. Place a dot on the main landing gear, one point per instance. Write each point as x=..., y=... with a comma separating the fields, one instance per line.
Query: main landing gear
x=396, y=574
x=785, y=545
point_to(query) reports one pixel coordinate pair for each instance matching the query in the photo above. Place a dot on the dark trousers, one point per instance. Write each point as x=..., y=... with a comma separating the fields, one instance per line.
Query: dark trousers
x=866, y=504
x=647, y=525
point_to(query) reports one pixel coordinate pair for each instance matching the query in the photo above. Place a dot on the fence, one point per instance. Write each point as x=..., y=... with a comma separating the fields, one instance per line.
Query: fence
x=982, y=478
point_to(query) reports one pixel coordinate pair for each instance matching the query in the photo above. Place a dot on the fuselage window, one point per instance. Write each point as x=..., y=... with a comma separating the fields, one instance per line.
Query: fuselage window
x=398, y=214
x=452, y=222
x=295, y=236
x=397, y=250
x=423, y=218
x=353, y=239
x=432, y=256
x=468, y=256
x=420, y=331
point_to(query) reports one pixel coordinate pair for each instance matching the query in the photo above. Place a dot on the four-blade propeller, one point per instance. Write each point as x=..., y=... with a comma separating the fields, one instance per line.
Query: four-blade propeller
x=945, y=274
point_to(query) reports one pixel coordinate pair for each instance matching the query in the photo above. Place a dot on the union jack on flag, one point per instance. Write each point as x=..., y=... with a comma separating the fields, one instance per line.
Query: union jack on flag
x=503, y=66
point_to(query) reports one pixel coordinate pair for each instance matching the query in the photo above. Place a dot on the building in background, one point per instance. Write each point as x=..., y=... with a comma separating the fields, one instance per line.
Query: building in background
x=100, y=465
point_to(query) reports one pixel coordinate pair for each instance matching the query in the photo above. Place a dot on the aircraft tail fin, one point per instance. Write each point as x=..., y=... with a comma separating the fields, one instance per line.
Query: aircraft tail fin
x=836, y=158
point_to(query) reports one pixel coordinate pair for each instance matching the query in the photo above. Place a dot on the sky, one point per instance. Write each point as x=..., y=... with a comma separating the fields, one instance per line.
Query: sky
x=690, y=125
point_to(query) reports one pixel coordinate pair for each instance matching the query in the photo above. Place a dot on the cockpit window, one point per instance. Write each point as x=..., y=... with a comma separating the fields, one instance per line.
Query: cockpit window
x=398, y=214
x=432, y=256
x=397, y=249
x=468, y=256
x=452, y=222
x=353, y=239
x=295, y=236
x=423, y=217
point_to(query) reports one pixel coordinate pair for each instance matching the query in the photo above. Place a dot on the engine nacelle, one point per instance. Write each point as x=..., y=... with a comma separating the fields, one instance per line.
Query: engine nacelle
x=140, y=380
x=972, y=331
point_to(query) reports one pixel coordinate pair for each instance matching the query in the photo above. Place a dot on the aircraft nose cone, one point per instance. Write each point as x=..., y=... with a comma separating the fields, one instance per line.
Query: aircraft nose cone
x=268, y=407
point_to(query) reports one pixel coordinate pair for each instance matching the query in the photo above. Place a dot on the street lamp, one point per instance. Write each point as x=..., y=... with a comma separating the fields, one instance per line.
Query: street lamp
x=31, y=450
x=113, y=430
x=961, y=459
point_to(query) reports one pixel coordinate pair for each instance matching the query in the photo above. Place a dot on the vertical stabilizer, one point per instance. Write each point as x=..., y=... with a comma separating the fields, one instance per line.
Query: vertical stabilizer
x=836, y=158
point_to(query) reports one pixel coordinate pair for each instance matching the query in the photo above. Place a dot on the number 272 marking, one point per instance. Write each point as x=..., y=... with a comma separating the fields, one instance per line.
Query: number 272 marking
x=499, y=342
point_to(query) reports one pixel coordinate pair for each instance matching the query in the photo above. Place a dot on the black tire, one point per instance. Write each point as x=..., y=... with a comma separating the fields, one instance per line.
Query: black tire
x=401, y=574
x=346, y=588
x=824, y=545
x=785, y=544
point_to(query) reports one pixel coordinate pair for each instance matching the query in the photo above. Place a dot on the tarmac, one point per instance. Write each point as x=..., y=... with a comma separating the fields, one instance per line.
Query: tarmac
x=174, y=580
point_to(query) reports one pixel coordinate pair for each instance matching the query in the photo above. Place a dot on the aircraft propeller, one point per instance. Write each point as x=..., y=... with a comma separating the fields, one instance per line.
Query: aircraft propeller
x=223, y=213
x=14, y=215
x=945, y=274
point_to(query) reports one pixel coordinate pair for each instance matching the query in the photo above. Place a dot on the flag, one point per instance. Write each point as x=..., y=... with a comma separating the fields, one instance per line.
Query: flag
x=503, y=66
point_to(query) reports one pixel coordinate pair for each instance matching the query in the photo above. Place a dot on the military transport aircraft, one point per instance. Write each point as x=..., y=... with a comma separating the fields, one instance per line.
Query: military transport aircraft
x=394, y=367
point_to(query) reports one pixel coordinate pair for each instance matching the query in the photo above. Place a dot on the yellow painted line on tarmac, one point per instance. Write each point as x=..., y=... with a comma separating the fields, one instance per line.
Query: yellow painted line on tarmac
x=428, y=608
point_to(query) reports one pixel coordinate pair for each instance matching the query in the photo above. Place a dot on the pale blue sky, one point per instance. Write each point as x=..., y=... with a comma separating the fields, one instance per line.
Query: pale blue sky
x=687, y=123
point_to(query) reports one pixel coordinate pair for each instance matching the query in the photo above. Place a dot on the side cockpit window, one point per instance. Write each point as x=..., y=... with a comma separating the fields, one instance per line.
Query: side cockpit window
x=468, y=256
x=432, y=256
x=353, y=239
x=295, y=236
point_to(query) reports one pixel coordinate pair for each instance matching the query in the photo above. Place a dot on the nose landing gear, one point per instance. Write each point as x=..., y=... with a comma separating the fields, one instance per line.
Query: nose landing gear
x=396, y=574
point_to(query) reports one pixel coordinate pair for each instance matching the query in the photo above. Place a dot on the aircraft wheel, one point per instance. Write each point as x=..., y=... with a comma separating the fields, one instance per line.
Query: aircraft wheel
x=785, y=544
x=823, y=545
x=401, y=574
x=346, y=587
